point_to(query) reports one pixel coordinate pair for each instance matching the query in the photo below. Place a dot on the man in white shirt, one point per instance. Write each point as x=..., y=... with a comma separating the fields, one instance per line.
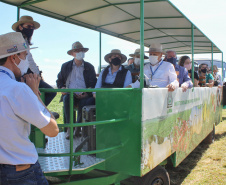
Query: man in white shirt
x=20, y=106
x=158, y=72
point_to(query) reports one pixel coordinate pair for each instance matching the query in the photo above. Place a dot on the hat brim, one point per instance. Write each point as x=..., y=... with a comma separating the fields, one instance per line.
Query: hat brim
x=156, y=51
x=70, y=51
x=16, y=24
x=133, y=55
x=9, y=54
x=106, y=58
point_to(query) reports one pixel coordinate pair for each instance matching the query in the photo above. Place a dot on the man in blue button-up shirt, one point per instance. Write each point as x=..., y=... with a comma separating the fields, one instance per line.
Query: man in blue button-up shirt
x=182, y=73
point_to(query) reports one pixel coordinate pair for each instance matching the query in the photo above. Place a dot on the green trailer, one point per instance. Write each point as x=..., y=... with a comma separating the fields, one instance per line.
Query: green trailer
x=138, y=131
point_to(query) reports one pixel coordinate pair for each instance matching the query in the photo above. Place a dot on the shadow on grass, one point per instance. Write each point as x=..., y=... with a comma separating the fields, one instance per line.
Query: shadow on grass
x=223, y=118
x=219, y=136
x=179, y=173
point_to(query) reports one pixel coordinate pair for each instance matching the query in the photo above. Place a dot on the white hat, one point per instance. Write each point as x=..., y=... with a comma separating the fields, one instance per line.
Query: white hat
x=155, y=48
x=12, y=43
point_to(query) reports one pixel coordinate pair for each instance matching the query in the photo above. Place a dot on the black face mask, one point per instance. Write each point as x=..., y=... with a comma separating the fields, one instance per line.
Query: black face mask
x=172, y=61
x=116, y=61
x=27, y=32
x=204, y=70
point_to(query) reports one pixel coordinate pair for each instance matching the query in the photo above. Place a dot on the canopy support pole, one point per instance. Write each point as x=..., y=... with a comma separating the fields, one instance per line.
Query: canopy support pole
x=192, y=51
x=222, y=67
x=141, y=44
x=212, y=57
x=100, y=52
x=18, y=13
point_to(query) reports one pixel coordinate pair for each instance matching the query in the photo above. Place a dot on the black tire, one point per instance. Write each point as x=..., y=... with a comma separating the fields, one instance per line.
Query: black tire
x=210, y=138
x=157, y=176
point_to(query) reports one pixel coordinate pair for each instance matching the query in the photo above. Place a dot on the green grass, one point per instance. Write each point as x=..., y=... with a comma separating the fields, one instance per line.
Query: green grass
x=55, y=106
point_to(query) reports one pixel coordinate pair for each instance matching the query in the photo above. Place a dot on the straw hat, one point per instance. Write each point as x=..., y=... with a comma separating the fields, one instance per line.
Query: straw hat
x=155, y=48
x=115, y=52
x=137, y=53
x=25, y=19
x=75, y=46
x=12, y=43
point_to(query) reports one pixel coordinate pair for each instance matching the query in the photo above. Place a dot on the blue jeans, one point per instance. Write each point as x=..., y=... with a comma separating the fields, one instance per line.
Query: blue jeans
x=30, y=176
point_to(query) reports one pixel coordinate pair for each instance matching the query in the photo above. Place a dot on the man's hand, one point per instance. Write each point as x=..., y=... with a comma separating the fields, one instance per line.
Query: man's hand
x=170, y=87
x=94, y=95
x=81, y=95
x=32, y=80
x=184, y=87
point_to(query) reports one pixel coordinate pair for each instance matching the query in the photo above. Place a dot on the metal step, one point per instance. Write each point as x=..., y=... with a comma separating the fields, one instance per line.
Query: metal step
x=59, y=164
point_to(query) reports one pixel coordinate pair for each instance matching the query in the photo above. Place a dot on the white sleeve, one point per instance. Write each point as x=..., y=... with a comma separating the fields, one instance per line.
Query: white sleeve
x=173, y=76
x=29, y=108
x=135, y=84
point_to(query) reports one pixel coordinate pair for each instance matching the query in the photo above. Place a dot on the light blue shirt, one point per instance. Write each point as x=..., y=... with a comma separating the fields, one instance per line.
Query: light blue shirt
x=76, y=78
x=19, y=107
x=110, y=78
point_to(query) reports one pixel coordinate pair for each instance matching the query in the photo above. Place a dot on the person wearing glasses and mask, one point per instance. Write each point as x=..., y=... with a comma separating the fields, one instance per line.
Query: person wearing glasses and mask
x=114, y=75
x=205, y=79
x=134, y=68
x=26, y=25
x=76, y=74
x=158, y=72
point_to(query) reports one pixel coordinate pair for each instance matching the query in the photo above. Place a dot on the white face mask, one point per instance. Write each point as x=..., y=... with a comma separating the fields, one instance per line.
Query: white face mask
x=153, y=60
x=23, y=65
x=187, y=66
x=80, y=55
x=137, y=61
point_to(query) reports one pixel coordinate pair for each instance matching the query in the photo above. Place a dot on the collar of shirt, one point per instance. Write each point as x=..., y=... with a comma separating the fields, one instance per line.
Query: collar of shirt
x=109, y=70
x=82, y=65
x=9, y=71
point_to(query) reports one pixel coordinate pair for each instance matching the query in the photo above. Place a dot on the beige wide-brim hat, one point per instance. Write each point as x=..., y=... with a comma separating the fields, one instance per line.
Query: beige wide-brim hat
x=155, y=48
x=75, y=46
x=115, y=52
x=137, y=53
x=12, y=43
x=25, y=19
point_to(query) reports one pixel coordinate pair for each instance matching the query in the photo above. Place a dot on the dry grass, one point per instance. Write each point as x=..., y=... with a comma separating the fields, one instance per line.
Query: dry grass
x=206, y=164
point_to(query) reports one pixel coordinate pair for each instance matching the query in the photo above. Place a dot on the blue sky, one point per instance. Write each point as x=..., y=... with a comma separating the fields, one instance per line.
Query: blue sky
x=54, y=38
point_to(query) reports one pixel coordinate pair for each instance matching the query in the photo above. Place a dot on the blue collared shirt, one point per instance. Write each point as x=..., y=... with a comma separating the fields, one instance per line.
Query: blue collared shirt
x=110, y=78
x=183, y=76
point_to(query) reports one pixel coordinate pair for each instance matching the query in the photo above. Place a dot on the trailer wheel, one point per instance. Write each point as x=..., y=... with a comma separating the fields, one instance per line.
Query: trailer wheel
x=210, y=138
x=157, y=176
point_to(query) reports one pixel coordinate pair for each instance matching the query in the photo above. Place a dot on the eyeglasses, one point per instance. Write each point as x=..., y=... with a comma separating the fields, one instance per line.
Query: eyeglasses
x=29, y=27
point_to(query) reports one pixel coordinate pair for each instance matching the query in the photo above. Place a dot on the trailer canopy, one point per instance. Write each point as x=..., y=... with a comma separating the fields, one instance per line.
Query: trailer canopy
x=163, y=22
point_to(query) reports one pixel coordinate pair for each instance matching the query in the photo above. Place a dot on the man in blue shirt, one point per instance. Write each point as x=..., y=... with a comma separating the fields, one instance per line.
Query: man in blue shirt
x=115, y=75
x=182, y=73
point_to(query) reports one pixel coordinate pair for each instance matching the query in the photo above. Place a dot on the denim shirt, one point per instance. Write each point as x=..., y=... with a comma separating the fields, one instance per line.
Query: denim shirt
x=183, y=76
x=110, y=78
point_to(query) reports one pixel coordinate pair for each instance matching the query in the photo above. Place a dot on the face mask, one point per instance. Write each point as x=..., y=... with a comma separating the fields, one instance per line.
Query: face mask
x=27, y=32
x=80, y=55
x=204, y=70
x=116, y=61
x=153, y=60
x=187, y=66
x=172, y=60
x=137, y=61
x=23, y=66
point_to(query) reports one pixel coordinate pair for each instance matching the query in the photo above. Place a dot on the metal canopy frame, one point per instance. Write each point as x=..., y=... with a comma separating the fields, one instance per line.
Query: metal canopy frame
x=196, y=42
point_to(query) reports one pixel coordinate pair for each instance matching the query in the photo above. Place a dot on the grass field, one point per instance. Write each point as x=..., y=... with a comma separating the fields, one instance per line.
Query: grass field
x=205, y=165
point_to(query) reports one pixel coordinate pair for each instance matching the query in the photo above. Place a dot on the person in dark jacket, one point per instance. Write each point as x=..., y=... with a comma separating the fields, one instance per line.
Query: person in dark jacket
x=76, y=74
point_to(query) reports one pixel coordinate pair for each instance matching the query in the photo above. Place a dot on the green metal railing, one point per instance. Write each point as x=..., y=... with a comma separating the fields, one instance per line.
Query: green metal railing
x=71, y=125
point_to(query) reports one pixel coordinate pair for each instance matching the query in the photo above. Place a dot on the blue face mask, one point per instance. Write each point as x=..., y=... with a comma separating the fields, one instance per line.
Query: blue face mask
x=172, y=60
